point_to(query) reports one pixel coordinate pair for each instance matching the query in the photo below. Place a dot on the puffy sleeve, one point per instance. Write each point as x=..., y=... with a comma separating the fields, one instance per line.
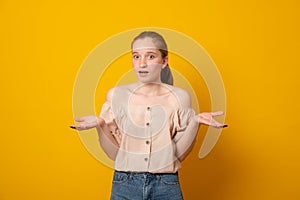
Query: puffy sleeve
x=109, y=135
x=185, y=128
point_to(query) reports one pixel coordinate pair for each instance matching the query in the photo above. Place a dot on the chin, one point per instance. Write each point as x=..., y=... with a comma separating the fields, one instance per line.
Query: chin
x=148, y=80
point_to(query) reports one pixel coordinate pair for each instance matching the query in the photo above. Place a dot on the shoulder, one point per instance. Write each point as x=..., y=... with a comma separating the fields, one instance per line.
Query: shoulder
x=119, y=91
x=182, y=96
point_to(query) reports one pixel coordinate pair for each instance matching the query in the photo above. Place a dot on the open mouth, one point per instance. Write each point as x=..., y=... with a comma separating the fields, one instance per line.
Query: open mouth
x=143, y=72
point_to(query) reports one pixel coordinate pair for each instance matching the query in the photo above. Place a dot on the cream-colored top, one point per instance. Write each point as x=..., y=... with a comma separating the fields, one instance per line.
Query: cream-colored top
x=152, y=132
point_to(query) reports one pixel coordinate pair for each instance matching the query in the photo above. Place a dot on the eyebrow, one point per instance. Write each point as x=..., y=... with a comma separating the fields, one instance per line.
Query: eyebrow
x=146, y=52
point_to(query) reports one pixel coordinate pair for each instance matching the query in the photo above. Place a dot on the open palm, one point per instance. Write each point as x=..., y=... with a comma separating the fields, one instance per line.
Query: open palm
x=207, y=118
x=87, y=122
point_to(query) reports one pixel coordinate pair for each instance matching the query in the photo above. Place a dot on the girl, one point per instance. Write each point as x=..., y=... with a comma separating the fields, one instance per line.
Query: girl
x=147, y=127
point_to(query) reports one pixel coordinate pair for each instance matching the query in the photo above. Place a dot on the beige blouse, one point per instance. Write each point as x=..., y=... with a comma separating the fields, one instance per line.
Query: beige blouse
x=152, y=133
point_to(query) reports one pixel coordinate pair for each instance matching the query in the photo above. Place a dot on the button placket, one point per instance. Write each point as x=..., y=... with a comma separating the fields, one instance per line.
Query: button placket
x=148, y=119
x=148, y=116
x=148, y=128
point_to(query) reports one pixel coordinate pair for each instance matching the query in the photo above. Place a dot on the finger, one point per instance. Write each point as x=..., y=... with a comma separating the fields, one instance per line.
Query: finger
x=78, y=119
x=218, y=113
x=78, y=127
x=221, y=126
x=73, y=126
x=205, y=115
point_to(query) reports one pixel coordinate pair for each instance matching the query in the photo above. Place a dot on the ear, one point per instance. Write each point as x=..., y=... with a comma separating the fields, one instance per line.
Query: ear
x=165, y=62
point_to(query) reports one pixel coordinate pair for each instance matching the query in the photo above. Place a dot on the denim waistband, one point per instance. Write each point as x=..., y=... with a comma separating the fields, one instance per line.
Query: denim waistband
x=145, y=173
x=145, y=185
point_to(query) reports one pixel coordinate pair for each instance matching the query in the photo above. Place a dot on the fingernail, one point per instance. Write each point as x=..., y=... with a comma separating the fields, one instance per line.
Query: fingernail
x=224, y=126
x=73, y=127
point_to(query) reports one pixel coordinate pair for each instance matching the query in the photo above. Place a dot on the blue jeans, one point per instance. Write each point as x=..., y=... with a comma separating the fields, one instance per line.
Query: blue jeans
x=145, y=186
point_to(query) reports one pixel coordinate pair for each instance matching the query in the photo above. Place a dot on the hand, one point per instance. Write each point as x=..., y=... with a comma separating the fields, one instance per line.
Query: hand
x=87, y=122
x=207, y=118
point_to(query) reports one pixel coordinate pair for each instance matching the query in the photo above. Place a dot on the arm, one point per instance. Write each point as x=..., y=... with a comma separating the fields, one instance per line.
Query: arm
x=186, y=127
x=185, y=139
x=187, y=130
x=108, y=141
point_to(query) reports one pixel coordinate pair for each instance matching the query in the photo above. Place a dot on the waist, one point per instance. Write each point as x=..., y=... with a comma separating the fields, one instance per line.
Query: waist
x=145, y=173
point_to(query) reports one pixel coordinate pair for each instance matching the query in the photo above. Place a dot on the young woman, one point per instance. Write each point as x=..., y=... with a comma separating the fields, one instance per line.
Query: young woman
x=147, y=127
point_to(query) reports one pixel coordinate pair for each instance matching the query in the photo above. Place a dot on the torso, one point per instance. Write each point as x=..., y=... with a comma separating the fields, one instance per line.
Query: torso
x=152, y=117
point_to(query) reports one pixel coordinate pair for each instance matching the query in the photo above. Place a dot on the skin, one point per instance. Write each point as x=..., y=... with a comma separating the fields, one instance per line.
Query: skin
x=147, y=62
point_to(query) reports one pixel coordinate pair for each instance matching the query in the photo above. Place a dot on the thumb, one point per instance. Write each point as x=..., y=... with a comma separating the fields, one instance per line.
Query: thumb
x=78, y=119
x=217, y=113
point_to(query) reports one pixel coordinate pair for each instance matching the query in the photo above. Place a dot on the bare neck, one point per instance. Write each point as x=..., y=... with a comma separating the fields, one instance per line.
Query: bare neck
x=151, y=89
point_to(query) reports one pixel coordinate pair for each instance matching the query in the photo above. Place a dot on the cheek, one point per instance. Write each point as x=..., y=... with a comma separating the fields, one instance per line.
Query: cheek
x=155, y=67
x=134, y=63
x=158, y=61
x=155, y=63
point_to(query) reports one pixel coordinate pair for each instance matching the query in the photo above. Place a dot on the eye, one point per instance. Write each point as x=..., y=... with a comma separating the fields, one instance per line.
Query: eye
x=151, y=56
x=135, y=56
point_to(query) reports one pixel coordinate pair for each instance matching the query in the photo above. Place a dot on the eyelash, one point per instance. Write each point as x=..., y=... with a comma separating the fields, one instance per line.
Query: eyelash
x=149, y=57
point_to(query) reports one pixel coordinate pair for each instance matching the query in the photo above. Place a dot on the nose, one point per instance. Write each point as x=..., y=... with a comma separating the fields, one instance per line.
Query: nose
x=143, y=62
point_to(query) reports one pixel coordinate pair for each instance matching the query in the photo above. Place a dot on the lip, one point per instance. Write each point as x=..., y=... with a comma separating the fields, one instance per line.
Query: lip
x=143, y=73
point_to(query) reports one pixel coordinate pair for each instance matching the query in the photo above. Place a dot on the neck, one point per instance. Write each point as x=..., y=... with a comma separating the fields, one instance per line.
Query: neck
x=150, y=89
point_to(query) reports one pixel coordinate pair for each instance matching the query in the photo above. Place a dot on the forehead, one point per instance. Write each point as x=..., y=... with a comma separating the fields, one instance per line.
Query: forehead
x=144, y=44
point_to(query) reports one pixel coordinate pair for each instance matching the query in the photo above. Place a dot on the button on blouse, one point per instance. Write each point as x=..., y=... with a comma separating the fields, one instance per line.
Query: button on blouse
x=147, y=134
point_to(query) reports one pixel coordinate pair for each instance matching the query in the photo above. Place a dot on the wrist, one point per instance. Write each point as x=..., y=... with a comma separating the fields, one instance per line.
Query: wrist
x=100, y=121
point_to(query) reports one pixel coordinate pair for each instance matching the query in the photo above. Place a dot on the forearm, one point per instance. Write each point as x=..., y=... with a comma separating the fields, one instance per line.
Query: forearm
x=185, y=139
x=107, y=140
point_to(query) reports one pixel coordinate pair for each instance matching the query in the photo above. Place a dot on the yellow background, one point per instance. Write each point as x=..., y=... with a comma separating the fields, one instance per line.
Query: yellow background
x=255, y=45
